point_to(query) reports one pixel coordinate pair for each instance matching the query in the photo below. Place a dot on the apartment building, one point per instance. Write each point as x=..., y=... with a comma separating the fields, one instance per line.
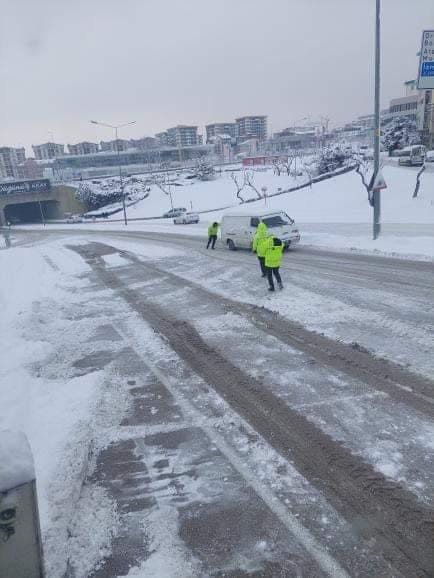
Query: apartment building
x=48, y=150
x=220, y=128
x=10, y=158
x=83, y=148
x=183, y=136
x=179, y=136
x=251, y=127
x=115, y=145
x=144, y=144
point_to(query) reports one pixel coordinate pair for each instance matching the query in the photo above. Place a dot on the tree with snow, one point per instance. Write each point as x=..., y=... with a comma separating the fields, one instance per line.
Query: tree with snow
x=399, y=133
x=331, y=159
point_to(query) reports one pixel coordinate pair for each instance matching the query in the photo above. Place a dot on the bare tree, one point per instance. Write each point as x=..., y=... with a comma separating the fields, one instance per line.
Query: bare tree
x=287, y=163
x=248, y=177
x=277, y=169
x=290, y=163
x=362, y=169
x=238, y=185
x=416, y=188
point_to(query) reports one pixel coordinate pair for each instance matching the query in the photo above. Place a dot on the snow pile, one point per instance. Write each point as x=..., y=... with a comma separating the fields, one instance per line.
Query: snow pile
x=54, y=409
x=16, y=460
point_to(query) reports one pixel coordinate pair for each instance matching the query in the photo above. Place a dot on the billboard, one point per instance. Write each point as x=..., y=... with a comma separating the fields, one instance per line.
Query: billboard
x=426, y=63
x=34, y=186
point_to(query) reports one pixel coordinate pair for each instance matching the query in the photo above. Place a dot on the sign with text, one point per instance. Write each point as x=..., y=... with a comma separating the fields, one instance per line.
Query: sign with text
x=426, y=64
x=36, y=186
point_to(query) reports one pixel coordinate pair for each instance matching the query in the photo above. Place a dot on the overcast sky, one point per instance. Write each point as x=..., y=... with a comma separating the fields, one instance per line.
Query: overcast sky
x=165, y=62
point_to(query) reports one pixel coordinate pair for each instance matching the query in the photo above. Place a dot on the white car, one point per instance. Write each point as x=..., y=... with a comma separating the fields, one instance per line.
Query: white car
x=238, y=228
x=74, y=219
x=186, y=219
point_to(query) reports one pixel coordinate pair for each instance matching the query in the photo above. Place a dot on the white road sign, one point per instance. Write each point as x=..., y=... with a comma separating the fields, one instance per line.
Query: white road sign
x=426, y=64
x=379, y=182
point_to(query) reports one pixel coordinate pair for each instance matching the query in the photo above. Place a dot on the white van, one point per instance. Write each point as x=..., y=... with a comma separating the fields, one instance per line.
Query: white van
x=412, y=156
x=238, y=228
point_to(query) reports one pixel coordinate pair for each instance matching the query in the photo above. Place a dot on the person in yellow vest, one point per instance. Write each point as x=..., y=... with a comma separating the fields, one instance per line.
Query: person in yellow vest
x=212, y=235
x=260, y=244
x=273, y=261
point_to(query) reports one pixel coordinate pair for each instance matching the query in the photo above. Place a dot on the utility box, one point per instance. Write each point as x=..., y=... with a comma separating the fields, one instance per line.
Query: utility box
x=20, y=535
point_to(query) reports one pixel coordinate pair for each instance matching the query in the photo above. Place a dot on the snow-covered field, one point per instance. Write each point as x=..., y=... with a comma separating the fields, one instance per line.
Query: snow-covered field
x=339, y=200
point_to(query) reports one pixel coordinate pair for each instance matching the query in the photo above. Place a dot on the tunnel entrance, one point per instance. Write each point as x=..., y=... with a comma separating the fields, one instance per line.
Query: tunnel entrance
x=31, y=212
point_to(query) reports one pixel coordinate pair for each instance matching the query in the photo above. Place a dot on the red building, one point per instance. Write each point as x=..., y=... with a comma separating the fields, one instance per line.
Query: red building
x=260, y=160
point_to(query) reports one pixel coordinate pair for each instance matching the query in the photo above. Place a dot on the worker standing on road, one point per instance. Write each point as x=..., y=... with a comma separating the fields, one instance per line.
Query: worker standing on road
x=273, y=260
x=212, y=235
x=260, y=243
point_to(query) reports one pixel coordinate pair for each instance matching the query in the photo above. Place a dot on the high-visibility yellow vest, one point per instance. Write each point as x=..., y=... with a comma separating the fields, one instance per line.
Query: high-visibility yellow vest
x=273, y=255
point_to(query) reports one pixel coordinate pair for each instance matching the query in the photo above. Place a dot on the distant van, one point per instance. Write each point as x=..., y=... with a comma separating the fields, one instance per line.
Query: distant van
x=238, y=228
x=412, y=156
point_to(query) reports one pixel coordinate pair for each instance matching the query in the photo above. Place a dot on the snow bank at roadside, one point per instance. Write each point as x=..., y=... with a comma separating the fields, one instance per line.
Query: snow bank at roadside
x=54, y=413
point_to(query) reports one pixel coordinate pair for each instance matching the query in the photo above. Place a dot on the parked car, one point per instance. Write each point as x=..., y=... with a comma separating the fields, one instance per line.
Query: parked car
x=174, y=213
x=429, y=158
x=412, y=156
x=74, y=219
x=186, y=219
x=238, y=228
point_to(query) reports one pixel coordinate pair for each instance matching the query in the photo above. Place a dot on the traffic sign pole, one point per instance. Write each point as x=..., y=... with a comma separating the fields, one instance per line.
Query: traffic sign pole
x=376, y=192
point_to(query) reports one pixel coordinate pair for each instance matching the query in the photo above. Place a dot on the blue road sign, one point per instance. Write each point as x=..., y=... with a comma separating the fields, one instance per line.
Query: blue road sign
x=427, y=69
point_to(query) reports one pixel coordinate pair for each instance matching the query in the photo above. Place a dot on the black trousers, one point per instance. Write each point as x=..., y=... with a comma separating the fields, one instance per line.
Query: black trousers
x=273, y=271
x=211, y=241
x=262, y=265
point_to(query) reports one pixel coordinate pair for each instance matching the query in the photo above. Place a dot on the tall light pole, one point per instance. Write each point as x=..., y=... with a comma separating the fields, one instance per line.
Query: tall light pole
x=376, y=201
x=115, y=128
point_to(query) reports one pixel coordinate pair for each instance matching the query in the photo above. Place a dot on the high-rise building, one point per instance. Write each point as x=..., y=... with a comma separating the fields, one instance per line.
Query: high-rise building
x=162, y=139
x=83, y=148
x=144, y=144
x=183, y=136
x=251, y=127
x=220, y=128
x=114, y=146
x=48, y=150
x=10, y=158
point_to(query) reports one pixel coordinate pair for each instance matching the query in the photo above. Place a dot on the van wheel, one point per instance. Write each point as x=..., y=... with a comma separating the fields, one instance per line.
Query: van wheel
x=231, y=245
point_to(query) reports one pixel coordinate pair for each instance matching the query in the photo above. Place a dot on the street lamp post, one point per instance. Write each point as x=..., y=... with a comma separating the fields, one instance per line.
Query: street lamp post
x=115, y=128
x=376, y=201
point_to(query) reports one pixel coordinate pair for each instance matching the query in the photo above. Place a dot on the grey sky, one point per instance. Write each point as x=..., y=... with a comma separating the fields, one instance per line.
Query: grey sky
x=164, y=62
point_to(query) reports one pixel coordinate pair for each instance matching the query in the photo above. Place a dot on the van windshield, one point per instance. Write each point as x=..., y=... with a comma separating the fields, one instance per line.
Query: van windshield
x=277, y=220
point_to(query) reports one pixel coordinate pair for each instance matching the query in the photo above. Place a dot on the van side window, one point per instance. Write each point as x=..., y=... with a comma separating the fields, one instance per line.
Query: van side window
x=254, y=221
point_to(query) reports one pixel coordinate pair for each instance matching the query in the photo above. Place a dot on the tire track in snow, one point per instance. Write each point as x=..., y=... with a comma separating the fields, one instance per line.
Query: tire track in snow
x=383, y=510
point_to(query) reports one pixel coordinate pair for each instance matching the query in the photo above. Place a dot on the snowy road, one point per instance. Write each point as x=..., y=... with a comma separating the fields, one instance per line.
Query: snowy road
x=242, y=435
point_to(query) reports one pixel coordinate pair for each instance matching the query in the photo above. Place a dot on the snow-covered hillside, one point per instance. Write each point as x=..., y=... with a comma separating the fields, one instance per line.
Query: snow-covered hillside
x=338, y=200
